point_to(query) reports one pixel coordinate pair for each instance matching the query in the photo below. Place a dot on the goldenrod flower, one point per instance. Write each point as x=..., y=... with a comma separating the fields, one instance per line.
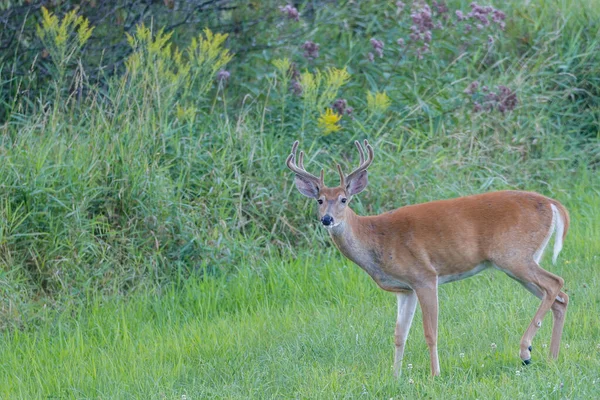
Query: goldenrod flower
x=328, y=122
x=378, y=102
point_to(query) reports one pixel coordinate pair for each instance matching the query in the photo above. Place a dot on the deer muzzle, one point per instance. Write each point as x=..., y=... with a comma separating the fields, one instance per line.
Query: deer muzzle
x=327, y=220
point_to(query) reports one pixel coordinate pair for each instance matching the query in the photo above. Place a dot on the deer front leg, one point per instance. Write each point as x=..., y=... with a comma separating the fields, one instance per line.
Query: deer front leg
x=428, y=299
x=407, y=303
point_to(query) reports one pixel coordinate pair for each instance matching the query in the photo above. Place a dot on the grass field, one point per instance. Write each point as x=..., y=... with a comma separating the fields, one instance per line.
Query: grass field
x=314, y=326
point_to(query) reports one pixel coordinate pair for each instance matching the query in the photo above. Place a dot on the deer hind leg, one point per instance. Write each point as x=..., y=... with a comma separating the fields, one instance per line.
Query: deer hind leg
x=407, y=304
x=546, y=286
x=559, y=311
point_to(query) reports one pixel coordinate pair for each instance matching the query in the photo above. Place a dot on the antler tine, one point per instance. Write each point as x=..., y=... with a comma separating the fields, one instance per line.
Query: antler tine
x=370, y=150
x=298, y=168
x=342, y=177
x=360, y=151
x=364, y=164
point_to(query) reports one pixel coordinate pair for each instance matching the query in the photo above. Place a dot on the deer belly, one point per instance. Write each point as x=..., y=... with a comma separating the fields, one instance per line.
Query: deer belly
x=383, y=279
x=370, y=261
x=462, y=275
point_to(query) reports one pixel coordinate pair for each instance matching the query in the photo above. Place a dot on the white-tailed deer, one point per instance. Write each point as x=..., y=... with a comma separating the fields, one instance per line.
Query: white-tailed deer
x=413, y=249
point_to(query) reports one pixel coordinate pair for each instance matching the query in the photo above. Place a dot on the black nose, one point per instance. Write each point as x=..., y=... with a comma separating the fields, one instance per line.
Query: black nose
x=327, y=220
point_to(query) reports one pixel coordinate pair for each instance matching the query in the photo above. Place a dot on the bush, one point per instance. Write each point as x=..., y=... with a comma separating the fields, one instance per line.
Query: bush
x=174, y=165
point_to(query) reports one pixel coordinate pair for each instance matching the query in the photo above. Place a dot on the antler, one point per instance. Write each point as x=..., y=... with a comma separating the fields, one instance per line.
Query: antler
x=298, y=168
x=361, y=167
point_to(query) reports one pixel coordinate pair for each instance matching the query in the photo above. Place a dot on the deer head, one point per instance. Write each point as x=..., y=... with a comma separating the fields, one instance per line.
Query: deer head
x=333, y=202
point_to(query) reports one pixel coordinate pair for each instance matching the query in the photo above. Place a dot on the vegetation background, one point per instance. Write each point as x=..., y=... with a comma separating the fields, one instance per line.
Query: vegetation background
x=152, y=244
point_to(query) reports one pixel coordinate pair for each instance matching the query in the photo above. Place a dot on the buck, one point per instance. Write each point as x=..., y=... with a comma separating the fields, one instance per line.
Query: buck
x=413, y=249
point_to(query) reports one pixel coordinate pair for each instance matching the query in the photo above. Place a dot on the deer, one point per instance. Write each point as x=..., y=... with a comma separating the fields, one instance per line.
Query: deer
x=413, y=249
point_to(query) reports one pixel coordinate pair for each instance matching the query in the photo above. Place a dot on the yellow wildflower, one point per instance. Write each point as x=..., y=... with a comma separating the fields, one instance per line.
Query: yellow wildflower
x=378, y=102
x=329, y=121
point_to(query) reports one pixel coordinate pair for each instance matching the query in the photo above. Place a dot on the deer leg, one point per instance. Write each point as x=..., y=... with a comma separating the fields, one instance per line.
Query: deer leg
x=559, y=310
x=407, y=303
x=428, y=299
x=546, y=286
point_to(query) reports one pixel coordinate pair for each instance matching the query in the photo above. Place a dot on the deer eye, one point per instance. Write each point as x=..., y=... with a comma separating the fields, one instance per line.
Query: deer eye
x=320, y=201
x=344, y=200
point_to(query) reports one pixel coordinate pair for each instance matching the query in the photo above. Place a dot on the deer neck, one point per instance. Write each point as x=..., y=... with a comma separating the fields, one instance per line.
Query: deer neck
x=348, y=239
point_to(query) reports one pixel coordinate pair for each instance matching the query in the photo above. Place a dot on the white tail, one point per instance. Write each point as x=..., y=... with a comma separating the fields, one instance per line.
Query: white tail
x=558, y=234
x=413, y=249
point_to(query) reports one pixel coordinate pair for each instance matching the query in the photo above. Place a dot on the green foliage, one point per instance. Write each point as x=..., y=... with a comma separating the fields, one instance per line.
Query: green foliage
x=169, y=169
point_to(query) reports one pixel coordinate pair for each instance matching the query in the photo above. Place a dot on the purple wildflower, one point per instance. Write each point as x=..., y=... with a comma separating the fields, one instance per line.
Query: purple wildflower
x=498, y=16
x=371, y=57
x=441, y=8
x=340, y=106
x=507, y=99
x=400, y=42
x=460, y=16
x=311, y=50
x=503, y=100
x=223, y=75
x=490, y=40
x=291, y=12
x=483, y=14
x=422, y=50
x=377, y=46
x=472, y=88
x=400, y=6
x=296, y=88
x=422, y=19
x=492, y=98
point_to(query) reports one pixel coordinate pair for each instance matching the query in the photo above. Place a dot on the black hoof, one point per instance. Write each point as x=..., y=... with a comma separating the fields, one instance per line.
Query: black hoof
x=529, y=348
x=527, y=362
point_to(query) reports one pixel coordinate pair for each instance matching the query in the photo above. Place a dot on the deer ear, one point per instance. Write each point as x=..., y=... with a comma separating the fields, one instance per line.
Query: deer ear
x=357, y=184
x=307, y=187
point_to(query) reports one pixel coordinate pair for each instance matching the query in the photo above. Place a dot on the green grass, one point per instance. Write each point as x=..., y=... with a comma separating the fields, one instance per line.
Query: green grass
x=313, y=326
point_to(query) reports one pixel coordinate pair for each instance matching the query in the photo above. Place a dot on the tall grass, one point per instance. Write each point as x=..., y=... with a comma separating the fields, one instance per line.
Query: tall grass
x=317, y=327
x=171, y=170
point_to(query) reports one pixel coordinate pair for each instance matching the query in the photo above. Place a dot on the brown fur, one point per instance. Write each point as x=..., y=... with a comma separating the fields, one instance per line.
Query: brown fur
x=441, y=236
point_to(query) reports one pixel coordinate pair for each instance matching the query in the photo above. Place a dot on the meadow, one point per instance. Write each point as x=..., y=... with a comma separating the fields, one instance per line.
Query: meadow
x=152, y=241
x=311, y=327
